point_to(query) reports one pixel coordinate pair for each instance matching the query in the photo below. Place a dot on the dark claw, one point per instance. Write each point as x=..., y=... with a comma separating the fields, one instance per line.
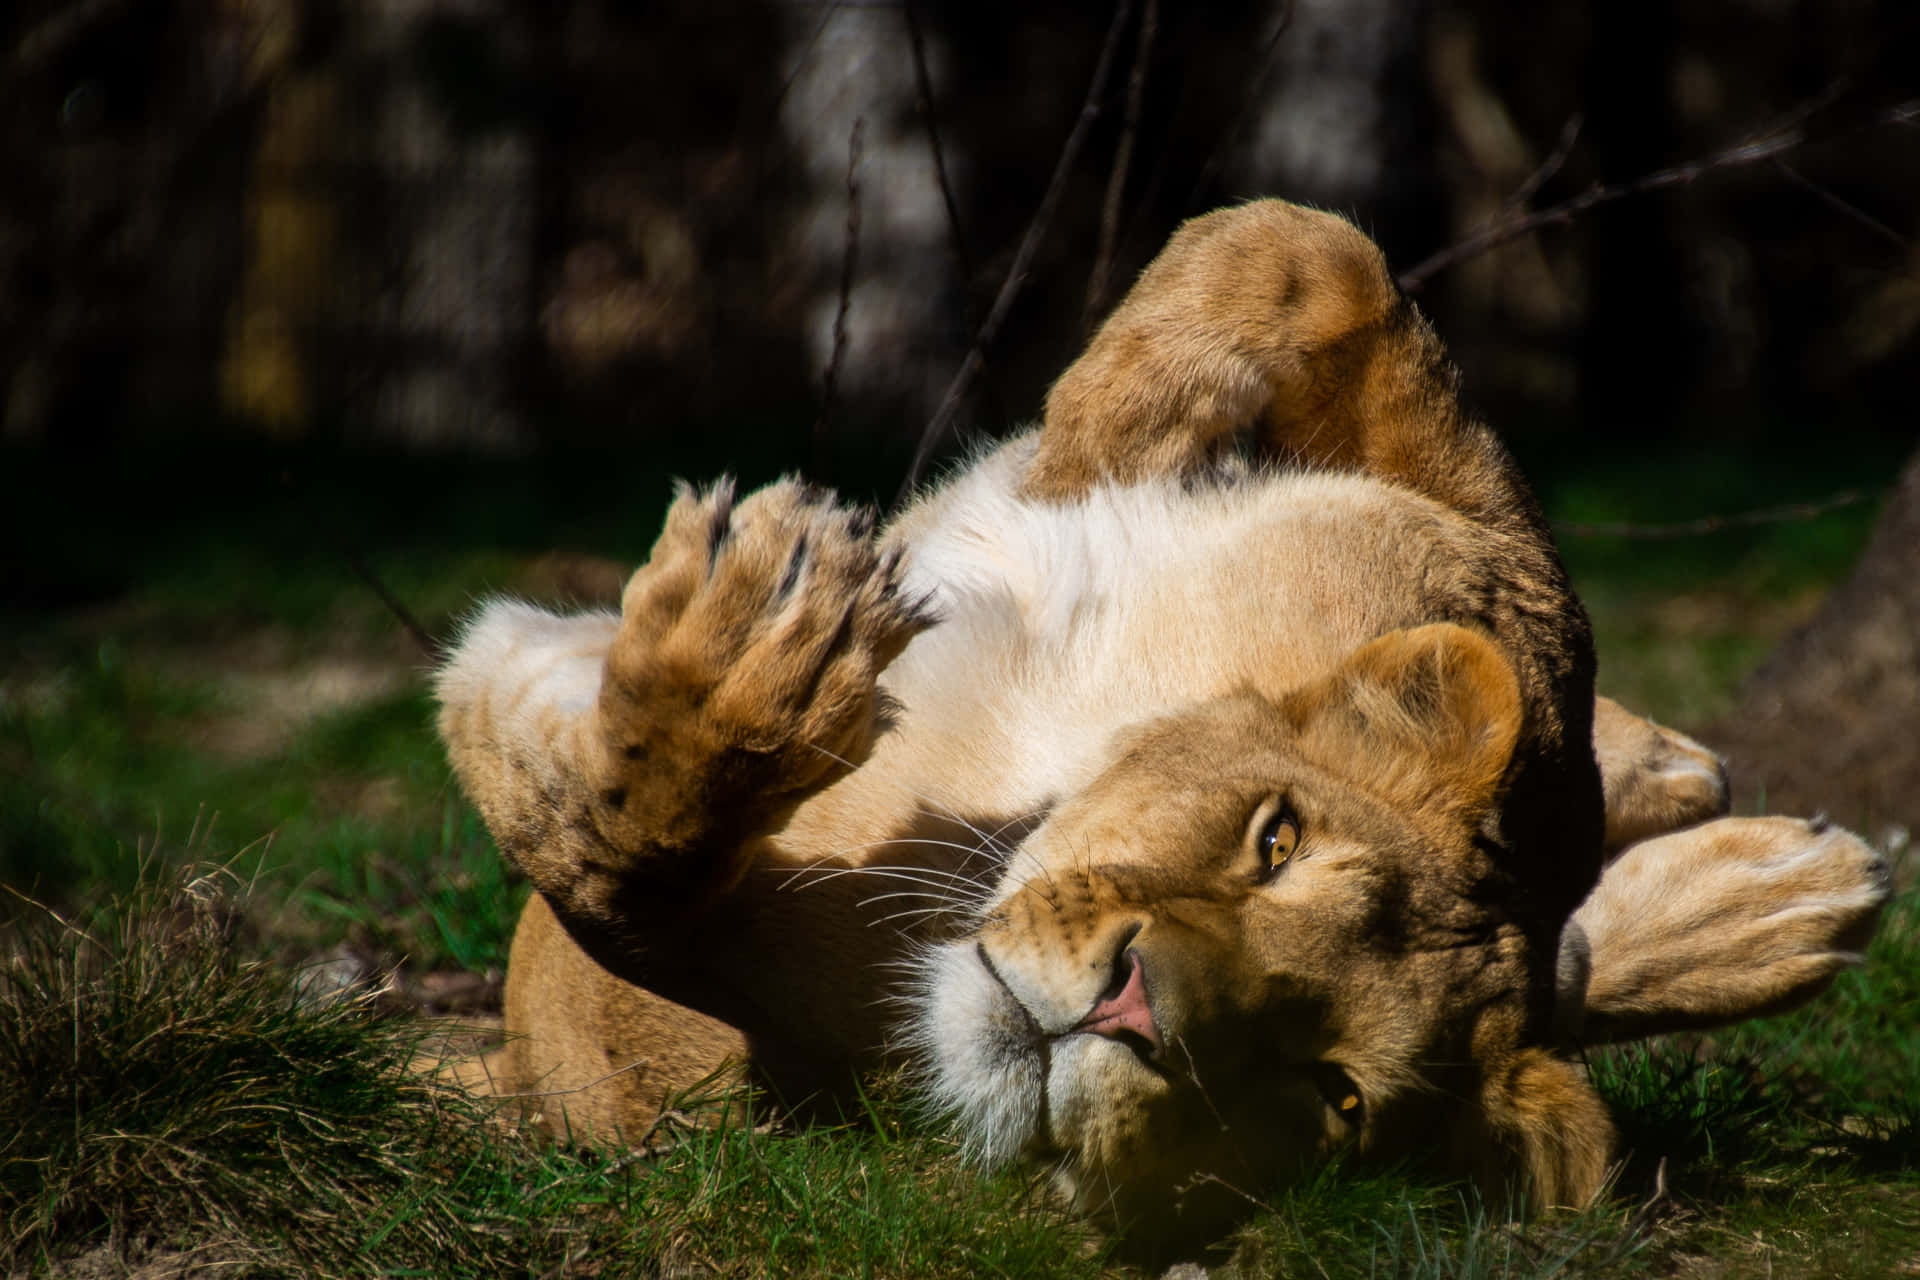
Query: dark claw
x=796, y=562
x=720, y=522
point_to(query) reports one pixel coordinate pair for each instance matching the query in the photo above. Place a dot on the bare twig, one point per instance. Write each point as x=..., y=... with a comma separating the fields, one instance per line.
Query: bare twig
x=1562, y=148
x=1781, y=514
x=1122, y=159
x=1254, y=95
x=849, y=263
x=1251, y=94
x=1215, y=1179
x=1010, y=288
x=1843, y=207
x=65, y=27
x=431, y=647
x=50, y=913
x=1783, y=137
x=800, y=64
x=1643, y=1217
x=963, y=257
x=923, y=84
x=639, y=1064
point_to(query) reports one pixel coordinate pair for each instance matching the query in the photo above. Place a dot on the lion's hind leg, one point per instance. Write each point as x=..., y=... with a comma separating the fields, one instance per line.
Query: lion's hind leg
x=1245, y=322
x=1731, y=919
x=1655, y=779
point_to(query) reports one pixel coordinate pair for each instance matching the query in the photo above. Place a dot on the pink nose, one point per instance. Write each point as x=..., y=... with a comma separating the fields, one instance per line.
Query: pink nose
x=1127, y=1012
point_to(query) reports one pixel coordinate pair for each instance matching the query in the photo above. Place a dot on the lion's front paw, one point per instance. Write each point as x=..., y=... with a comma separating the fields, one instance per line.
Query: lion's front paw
x=750, y=643
x=1727, y=920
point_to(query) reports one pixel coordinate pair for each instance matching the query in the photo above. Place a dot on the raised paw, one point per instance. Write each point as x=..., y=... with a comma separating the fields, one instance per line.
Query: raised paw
x=744, y=670
x=1730, y=919
x=1656, y=779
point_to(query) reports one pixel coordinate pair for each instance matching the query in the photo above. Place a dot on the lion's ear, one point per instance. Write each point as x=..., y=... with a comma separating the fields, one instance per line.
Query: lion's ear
x=1426, y=718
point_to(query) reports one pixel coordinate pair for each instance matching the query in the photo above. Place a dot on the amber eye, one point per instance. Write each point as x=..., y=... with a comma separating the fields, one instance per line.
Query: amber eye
x=1276, y=837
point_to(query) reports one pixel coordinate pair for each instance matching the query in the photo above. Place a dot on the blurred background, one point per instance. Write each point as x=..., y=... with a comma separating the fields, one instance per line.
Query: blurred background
x=487, y=227
x=320, y=318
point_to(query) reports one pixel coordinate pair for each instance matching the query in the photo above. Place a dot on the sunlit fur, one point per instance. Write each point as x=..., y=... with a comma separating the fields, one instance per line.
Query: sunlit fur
x=819, y=790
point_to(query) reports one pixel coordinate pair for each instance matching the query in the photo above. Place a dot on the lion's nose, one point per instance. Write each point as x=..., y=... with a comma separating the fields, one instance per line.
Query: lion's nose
x=1123, y=1011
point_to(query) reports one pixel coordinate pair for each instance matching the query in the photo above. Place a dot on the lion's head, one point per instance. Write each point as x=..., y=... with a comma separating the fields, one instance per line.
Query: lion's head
x=1271, y=928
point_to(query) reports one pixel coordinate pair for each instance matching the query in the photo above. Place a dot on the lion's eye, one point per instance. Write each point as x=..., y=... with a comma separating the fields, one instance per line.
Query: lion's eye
x=1276, y=837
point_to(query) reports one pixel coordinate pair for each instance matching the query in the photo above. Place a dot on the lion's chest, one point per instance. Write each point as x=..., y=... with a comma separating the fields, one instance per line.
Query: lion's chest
x=1061, y=625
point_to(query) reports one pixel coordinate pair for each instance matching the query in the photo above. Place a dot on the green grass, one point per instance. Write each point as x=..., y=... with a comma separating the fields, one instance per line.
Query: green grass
x=1680, y=621
x=351, y=817
x=163, y=1096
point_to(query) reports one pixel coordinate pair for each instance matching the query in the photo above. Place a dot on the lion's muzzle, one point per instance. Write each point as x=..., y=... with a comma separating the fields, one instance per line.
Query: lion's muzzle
x=1126, y=1014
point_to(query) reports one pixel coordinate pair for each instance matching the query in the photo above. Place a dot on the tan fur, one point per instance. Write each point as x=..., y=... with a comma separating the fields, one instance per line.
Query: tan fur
x=1025, y=742
x=1655, y=780
x=613, y=1058
x=1548, y=1133
x=1737, y=918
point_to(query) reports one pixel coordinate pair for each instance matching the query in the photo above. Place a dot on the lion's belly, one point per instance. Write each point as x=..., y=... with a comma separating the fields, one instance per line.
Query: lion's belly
x=1061, y=625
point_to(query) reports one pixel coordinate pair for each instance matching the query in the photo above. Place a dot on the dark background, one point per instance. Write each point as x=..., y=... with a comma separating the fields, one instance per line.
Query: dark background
x=499, y=227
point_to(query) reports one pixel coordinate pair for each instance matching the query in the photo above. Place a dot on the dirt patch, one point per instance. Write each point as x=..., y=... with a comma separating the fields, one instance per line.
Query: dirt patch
x=1827, y=722
x=143, y=1261
x=269, y=707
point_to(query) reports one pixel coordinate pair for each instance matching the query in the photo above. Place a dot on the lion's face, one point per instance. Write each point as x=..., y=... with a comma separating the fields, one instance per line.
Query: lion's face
x=1268, y=930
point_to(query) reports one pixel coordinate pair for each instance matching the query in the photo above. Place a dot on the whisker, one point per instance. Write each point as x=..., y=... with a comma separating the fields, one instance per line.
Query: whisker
x=905, y=893
x=925, y=802
x=987, y=840
x=816, y=874
x=948, y=891
x=950, y=909
x=991, y=842
x=926, y=874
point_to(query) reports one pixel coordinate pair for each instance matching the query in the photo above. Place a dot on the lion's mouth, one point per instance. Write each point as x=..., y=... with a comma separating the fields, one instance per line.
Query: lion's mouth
x=986, y=1056
x=1037, y=1036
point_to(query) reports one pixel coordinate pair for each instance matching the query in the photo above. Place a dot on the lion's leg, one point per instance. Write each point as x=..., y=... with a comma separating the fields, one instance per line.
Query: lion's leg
x=627, y=765
x=1731, y=919
x=1655, y=779
x=591, y=1055
x=1285, y=322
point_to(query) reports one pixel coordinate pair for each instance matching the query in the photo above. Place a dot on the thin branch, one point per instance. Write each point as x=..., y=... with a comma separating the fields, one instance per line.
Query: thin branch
x=1779, y=140
x=923, y=83
x=1562, y=148
x=765, y=144
x=54, y=35
x=1122, y=159
x=1843, y=207
x=1784, y=513
x=636, y=1064
x=937, y=428
x=849, y=264
x=431, y=647
x=962, y=248
x=800, y=62
x=1255, y=93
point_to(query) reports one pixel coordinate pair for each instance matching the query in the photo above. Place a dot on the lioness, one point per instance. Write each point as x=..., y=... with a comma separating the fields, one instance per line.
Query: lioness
x=1203, y=783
